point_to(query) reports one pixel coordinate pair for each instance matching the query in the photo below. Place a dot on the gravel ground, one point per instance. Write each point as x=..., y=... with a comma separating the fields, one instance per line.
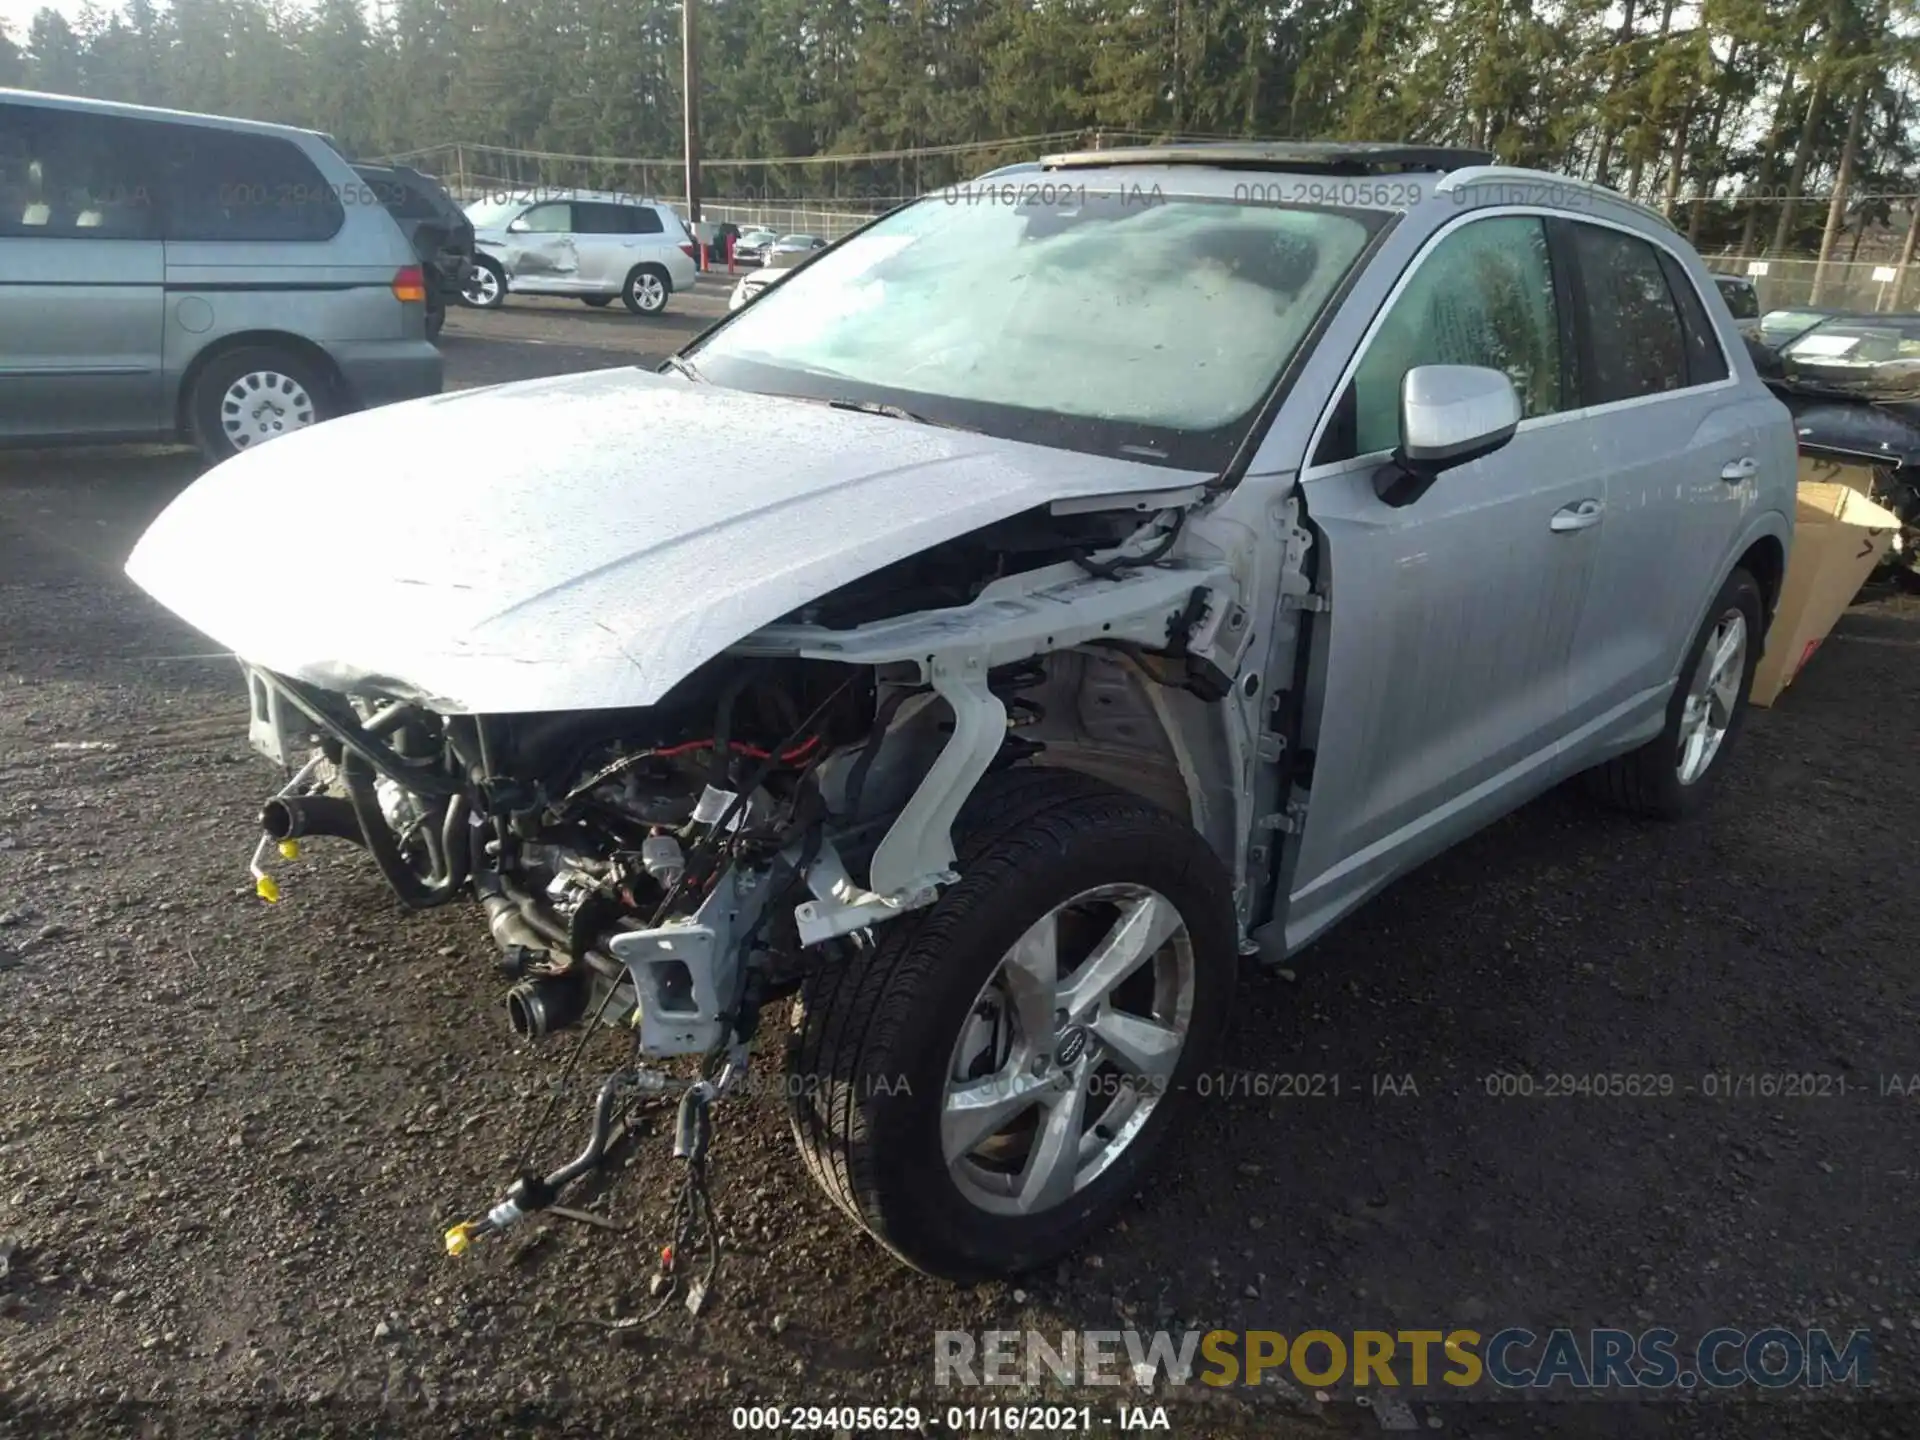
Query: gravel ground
x=233, y=1134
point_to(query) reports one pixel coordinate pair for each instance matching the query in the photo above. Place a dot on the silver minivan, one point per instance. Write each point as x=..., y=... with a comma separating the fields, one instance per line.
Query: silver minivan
x=169, y=275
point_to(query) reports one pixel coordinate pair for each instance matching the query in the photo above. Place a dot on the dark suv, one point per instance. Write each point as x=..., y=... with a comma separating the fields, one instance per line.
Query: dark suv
x=437, y=228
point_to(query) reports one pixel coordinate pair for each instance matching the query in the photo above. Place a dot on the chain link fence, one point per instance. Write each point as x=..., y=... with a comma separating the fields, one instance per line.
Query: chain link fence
x=828, y=195
x=1785, y=283
x=815, y=195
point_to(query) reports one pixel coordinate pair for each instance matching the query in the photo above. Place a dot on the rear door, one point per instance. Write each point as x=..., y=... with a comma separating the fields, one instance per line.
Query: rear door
x=1680, y=437
x=542, y=251
x=81, y=273
x=606, y=244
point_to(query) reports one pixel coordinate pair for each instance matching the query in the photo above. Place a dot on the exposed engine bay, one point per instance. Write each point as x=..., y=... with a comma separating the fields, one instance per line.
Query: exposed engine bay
x=669, y=871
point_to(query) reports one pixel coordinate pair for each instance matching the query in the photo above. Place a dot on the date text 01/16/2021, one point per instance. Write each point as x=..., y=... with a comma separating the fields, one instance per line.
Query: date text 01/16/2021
x=966, y=1419
x=1066, y=194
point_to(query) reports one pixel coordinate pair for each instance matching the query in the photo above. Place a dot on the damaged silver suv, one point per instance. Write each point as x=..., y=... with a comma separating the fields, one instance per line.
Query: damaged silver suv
x=1058, y=593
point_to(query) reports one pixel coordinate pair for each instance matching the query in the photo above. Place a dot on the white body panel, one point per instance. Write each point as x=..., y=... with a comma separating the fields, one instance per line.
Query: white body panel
x=574, y=543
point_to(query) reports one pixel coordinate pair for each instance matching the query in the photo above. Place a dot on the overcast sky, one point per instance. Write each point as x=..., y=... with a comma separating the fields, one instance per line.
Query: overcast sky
x=16, y=15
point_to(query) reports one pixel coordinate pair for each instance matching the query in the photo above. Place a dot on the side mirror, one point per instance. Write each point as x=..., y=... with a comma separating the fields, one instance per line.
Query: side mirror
x=518, y=227
x=1449, y=414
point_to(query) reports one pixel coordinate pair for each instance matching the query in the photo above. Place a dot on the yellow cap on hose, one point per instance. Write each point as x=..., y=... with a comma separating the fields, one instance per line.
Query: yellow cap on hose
x=461, y=1236
x=265, y=888
x=290, y=849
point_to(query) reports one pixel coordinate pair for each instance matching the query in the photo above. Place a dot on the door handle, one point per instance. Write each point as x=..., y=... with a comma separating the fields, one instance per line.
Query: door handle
x=1577, y=516
x=1745, y=468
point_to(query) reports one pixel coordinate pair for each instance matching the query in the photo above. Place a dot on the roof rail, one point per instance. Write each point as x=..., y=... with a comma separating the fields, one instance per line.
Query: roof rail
x=1521, y=175
x=1330, y=157
x=1019, y=167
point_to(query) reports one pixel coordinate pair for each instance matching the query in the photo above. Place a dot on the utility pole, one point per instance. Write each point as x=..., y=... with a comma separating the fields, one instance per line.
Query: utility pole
x=1179, y=69
x=690, y=102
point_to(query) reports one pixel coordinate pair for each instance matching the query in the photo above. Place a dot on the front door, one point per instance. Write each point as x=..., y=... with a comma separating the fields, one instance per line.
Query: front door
x=542, y=250
x=82, y=267
x=1448, y=643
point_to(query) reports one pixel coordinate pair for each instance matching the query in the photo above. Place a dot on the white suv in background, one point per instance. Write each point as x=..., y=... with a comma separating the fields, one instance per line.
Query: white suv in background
x=594, y=244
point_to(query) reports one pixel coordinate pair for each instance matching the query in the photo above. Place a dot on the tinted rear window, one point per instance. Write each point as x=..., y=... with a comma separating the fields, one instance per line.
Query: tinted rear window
x=405, y=198
x=225, y=185
x=1706, y=361
x=1638, y=347
x=1742, y=299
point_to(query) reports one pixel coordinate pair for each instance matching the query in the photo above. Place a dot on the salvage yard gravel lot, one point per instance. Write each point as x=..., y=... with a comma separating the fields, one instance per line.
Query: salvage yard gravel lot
x=232, y=1134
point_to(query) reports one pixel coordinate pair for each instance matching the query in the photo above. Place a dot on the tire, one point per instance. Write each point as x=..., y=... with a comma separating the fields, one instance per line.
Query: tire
x=1662, y=779
x=598, y=302
x=877, y=1036
x=486, y=285
x=248, y=396
x=646, y=290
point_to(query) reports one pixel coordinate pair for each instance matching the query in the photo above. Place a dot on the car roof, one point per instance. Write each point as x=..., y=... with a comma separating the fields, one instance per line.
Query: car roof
x=1220, y=170
x=1328, y=157
x=49, y=101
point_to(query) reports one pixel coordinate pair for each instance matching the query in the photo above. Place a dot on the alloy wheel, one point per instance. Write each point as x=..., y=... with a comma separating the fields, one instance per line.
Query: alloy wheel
x=1067, y=1050
x=482, y=287
x=648, y=293
x=1713, y=691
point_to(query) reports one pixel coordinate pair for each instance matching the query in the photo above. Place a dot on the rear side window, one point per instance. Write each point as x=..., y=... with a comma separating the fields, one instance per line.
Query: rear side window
x=1633, y=326
x=1482, y=296
x=643, y=220
x=403, y=198
x=1706, y=361
x=598, y=218
x=228, y=185
x=72, y=175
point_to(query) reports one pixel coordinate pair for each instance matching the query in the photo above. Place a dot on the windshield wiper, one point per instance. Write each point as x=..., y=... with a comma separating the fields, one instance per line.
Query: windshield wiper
x=685, y=367
x=896, y=412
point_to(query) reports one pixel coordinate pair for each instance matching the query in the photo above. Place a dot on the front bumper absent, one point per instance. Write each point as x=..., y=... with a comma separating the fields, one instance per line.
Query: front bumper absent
x=276, y=728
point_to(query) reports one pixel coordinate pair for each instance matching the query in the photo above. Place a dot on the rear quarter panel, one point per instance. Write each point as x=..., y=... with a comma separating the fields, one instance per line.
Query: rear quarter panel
x=333, y=291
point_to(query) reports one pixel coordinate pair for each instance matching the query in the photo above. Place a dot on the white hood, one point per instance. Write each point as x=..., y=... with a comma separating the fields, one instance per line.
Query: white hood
x=574, y=543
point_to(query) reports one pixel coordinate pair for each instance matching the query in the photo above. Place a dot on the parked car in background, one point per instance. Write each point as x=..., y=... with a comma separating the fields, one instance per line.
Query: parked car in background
x=752, y=246
x=165, y=274
x=776, y=269
x=1743, y=300
x=1777, y=327
x=1054, y=608
x=593, y=244
x=436, y=227
x=718, y=239
x=796, y=245
x=1853, y=385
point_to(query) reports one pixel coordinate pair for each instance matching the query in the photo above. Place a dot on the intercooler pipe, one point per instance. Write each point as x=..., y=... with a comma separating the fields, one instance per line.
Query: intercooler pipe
x=293, y=817
x=511, y=926
x=537, y=1008
x=448, y=842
